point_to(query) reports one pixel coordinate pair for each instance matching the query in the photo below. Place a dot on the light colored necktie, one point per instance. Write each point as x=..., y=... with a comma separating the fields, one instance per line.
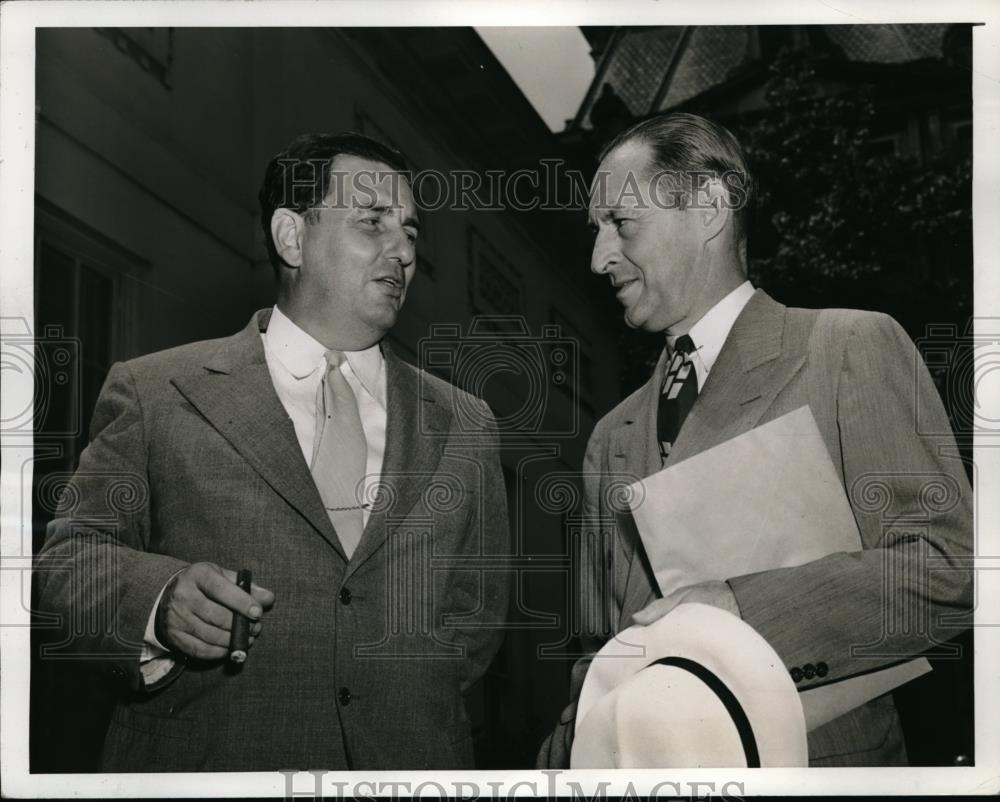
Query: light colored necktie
x=340, y=453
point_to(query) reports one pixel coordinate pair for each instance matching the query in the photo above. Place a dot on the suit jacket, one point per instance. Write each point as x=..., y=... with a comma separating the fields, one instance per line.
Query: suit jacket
x=865, y=384
x=362, y=663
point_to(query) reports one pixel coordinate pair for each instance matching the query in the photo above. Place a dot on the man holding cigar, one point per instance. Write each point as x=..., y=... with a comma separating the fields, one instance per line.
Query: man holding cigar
x=303, y=452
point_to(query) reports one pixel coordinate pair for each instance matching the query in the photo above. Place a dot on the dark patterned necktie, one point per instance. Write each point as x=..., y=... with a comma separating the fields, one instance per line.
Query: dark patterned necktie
x=680, y=389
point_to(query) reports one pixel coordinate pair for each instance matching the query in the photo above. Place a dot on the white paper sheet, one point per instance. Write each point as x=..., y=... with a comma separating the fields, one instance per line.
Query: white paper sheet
x=769, y=498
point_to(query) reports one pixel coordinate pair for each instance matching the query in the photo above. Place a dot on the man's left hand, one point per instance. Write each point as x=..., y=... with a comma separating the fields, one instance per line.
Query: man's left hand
x=718, y=594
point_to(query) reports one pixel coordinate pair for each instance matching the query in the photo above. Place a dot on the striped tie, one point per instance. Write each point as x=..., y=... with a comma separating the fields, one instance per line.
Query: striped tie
x=680, y=389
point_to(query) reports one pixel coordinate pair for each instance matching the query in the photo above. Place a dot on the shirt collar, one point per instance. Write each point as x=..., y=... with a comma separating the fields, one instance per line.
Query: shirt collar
x=301, y=354
x=709, y=334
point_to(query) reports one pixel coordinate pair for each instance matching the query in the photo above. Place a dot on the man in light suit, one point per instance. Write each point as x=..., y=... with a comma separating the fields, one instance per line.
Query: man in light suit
x=670, y=235
x=303, y=449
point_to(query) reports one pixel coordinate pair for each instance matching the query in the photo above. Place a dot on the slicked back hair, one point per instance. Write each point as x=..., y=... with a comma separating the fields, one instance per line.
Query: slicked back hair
x=298, y=177
x=686, y=143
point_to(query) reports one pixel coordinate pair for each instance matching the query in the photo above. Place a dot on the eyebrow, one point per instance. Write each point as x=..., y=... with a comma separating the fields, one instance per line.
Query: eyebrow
x=594, y=211
x=381, y=208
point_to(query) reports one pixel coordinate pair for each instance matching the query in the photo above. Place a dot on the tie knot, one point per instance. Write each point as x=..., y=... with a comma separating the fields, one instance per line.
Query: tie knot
x=684, y=344
x=334, y=359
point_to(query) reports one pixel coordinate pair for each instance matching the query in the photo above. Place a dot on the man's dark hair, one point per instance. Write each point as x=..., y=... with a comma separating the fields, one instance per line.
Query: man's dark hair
x=683, y=143
x=298, y=177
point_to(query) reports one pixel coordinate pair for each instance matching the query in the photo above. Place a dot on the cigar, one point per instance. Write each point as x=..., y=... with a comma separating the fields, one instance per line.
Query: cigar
x=239, y=636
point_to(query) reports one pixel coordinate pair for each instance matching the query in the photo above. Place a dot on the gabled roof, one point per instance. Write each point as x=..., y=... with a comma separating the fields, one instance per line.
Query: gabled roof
x=888, y=44
x=652, y=69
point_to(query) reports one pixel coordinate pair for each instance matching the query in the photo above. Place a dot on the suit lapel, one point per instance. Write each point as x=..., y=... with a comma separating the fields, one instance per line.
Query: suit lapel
x=751, y=370
x=237, y=397
x=635, y=451
x=417, y=422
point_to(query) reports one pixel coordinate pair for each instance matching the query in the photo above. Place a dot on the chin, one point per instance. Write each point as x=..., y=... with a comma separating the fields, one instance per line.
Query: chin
x=383, y=320
x=634, y=319
x=645, y=324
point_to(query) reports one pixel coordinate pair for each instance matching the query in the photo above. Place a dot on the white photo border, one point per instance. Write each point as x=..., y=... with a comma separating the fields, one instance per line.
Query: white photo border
x=17, y=141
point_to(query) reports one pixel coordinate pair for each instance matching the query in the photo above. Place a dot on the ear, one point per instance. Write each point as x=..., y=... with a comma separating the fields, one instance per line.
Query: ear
x=286, y=232
x=715, y=211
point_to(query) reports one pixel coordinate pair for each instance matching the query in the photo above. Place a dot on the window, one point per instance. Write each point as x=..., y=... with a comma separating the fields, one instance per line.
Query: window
x=961, y=137
x=495, y=287
x=84, y=321
x=881, y=146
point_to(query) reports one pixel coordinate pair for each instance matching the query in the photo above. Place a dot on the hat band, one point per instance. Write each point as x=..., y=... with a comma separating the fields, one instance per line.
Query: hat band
x=726, y=696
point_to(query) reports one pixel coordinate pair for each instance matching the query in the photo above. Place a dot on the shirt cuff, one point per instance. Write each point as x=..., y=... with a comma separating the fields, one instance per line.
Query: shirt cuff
x=154, y=662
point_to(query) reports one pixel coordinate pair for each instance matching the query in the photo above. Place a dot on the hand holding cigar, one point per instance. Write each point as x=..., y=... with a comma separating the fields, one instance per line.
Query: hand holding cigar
x=206, y=613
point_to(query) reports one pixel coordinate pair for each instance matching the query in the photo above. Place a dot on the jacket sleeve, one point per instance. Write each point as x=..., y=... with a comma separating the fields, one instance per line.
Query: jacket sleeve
x=96, y=572
x=911, y=584
x=486, y=588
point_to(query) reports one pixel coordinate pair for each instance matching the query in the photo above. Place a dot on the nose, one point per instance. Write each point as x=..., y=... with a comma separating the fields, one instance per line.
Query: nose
x=400, y=248
x=605, y=254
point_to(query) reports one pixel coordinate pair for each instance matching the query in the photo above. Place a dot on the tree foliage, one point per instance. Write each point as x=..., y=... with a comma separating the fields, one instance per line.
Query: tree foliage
x=839, y=223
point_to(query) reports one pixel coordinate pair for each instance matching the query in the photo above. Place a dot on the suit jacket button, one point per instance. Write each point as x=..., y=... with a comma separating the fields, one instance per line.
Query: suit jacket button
x=345, y=696
x=345, y=596
x=809, y=670
x=822, y=669
x=796, y=674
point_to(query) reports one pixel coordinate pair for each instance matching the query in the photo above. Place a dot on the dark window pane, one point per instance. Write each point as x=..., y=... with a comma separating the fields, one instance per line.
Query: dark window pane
x=56, y=366
x=54, y=289
x=94, y=315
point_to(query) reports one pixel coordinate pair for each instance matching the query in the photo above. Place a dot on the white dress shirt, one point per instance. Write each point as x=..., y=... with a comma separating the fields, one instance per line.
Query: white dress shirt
x=297, y=365
x=709, y=334
x=296, y=362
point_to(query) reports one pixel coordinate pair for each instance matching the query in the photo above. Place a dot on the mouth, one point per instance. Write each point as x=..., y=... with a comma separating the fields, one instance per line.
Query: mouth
x=623, y=286
x=392, y=284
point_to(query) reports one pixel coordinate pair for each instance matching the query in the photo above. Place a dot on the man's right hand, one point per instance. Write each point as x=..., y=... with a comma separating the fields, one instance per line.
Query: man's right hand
x=195, y=614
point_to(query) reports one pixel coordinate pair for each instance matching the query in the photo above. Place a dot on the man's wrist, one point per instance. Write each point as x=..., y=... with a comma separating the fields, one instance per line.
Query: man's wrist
x=160, y=616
